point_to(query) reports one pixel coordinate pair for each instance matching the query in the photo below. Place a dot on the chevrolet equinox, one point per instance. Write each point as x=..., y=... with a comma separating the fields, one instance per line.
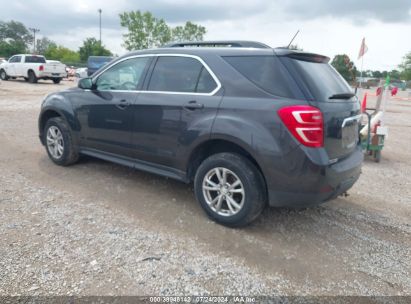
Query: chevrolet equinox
x=249, y=125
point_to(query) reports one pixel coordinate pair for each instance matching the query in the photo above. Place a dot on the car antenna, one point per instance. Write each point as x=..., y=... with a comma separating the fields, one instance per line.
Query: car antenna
x=288, y=46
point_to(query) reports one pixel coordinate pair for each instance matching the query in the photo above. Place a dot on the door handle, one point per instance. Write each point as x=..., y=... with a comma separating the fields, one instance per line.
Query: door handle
x=193, y=105
x=122, y=104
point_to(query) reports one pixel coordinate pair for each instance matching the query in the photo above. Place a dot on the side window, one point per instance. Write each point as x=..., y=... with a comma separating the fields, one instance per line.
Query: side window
x=15, y=59
x=180, y=74
x=124, y=76
x=206, y=83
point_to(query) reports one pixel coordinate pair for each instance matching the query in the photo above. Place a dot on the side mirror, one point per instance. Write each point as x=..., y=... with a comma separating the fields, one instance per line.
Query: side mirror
x=85, y=83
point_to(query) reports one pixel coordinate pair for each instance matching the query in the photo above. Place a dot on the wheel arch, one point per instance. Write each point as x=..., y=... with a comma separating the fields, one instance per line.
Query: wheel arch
x=45, y=116
x=218, y=145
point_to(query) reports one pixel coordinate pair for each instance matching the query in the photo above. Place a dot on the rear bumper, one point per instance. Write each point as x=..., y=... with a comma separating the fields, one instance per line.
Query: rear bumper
x=46, y=75
x=316, y=183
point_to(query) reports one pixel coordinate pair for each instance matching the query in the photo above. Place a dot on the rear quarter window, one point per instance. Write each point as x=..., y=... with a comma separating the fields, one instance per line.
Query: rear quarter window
x=265, y=72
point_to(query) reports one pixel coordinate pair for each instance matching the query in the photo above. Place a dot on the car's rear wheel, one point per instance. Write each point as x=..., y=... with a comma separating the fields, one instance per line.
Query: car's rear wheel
x=56, y=80
x=3, y=75
x=59, y=142
x=32, y=77
x=230, y=189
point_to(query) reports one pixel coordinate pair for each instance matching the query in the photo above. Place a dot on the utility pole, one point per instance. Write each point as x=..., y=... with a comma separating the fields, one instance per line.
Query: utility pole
x=99, y=11
x=34, y=30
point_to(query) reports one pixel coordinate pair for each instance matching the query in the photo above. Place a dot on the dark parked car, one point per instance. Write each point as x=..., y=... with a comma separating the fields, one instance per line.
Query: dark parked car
x=96, y=62
x=250, y=126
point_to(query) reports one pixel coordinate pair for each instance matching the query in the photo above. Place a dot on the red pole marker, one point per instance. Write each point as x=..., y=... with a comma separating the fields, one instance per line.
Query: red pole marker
x=364, y=103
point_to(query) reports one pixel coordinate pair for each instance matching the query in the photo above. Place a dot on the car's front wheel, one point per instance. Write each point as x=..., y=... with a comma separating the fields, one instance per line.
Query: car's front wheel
x=3, y=75
x=59, y=142
x=230, y=189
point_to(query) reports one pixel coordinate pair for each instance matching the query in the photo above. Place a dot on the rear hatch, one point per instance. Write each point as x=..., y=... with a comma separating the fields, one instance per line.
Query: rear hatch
x=326, y=90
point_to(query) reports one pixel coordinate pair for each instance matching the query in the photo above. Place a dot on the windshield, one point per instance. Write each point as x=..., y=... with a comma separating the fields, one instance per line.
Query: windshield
x=321, y=79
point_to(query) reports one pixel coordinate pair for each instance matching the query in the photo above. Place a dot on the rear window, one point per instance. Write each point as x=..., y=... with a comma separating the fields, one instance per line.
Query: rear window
x=321, y=79
x=265, y=72
x=34, y=59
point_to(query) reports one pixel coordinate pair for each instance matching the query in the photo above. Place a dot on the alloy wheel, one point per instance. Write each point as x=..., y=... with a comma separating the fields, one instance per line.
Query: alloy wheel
x=223, y=191
x=55, y=142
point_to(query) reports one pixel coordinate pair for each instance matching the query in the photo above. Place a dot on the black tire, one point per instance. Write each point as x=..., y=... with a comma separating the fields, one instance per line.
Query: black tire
x=255, y=197
x=32, y=77
x=3, y=75
x=70, y=153
x=56, y=80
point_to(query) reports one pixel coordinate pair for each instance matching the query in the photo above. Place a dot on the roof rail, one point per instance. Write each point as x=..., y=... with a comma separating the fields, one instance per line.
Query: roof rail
x=223, y=43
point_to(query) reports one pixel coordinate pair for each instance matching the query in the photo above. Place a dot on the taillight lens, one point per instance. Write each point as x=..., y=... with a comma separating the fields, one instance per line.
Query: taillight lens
x=305, y=123
x=41, y=68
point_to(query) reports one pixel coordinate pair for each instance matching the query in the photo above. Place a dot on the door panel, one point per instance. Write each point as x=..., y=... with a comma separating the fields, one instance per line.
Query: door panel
x=105, y=112
x=165, y=125
x=106, y=120
x=11, y=67
x=177, y=108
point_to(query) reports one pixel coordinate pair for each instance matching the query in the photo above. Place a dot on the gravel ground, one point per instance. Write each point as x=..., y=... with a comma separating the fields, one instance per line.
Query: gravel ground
x=97, y=228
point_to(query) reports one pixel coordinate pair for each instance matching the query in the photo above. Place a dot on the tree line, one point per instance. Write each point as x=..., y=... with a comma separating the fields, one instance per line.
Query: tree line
x=15, y=38
x=147, y=31
x=343, y=64
x=144, y=31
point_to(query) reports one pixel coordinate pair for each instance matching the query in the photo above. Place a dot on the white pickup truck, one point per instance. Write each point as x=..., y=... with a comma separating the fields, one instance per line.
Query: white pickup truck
x=32, y=68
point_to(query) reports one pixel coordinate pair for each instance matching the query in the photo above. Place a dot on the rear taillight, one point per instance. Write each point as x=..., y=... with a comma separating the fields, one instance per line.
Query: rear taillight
x=305, y=123
x=41, y=68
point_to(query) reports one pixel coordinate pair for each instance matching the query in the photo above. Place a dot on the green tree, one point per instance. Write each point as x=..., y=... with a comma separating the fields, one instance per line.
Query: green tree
x=344, y=66
x=62, y=54
x=405, y=67
x=188, y=32
x=376, y=74
x=395, y=75
x=92, y=47
x=14, y=38
x=43, y=44
x=10, y=48
x=144, y=30
x=16, y=31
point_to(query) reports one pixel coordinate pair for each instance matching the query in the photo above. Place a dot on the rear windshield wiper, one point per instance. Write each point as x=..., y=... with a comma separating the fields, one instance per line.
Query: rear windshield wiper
x=342, y=96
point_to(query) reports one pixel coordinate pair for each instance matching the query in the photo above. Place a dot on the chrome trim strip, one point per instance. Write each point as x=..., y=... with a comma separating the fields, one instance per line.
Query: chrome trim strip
x=165, y=92
x=356, y=117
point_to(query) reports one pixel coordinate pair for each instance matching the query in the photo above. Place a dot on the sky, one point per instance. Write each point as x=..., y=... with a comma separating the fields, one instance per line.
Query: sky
x=327, y=27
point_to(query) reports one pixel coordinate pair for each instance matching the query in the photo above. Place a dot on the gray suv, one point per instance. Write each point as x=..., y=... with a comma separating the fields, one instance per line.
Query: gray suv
x=249, y=125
